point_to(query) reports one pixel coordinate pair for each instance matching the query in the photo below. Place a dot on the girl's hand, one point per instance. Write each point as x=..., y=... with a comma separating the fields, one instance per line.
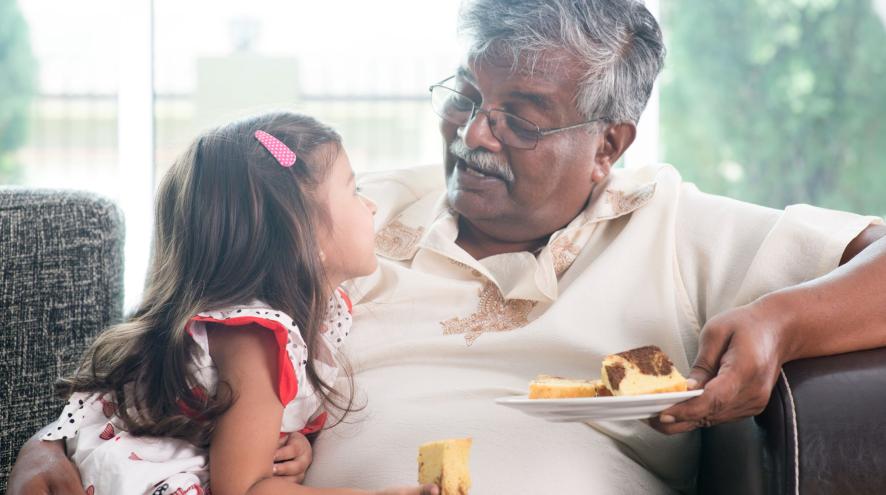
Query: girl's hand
x=293, y=457
x=410, y=490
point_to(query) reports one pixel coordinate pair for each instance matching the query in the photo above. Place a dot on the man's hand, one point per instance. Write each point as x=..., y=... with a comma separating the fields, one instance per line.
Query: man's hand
x=293, y=457
x=42, y=468
x=739, y=359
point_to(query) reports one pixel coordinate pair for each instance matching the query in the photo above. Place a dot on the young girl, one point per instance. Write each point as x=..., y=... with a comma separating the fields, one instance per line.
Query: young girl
x=234, y=344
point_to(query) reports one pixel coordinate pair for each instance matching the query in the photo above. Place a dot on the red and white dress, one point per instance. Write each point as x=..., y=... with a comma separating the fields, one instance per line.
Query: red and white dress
x=113, y=462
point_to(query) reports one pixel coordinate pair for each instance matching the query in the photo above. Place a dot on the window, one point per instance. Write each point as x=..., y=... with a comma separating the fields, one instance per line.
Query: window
x=350, y=64
x=778, y=102
x=63, y=99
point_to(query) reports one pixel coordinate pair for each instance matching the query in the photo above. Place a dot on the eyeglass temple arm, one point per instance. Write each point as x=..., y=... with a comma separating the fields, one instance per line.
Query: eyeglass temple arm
x=546, y=132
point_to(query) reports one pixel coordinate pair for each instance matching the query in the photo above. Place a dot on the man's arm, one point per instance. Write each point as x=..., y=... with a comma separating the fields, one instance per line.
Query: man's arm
x=844, y=310
x=741, y=351
x=867, y=237
x=43, y=468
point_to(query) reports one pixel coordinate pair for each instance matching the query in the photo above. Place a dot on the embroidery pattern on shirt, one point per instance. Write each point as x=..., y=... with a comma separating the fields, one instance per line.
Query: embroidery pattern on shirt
x=563, y=253
x=494, y=314
x=397, y=240
x=474, y=272
x=622, y=202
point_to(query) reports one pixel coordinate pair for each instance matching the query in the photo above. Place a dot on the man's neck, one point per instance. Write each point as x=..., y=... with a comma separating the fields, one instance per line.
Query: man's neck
x=482, y=245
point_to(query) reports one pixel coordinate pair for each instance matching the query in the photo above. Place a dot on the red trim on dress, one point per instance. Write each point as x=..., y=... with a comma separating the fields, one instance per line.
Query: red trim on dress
x=198, y=394
x=287, y=383
x=344, y=295
x=315, y=424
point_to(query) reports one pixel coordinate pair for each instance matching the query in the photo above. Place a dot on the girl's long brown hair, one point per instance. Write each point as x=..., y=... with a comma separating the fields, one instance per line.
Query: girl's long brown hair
x=231, y=226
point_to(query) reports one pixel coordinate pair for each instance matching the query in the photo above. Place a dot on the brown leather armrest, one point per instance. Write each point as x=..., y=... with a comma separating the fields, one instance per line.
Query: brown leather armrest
x=826, y=426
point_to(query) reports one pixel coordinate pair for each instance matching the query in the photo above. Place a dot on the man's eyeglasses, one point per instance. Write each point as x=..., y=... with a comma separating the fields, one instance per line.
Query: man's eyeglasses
x=510, y=129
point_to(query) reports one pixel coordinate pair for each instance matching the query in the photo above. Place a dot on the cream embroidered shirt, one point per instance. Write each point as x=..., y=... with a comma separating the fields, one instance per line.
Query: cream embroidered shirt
x=439, y=335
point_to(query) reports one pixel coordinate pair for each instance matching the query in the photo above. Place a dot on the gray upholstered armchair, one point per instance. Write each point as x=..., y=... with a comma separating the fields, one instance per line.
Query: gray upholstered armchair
x=61, y=283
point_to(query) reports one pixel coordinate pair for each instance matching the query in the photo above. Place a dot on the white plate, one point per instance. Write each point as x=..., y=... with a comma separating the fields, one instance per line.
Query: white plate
x=597, y=408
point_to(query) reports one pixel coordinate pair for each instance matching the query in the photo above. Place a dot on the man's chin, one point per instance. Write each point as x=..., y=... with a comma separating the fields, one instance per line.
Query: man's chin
x=474, y=206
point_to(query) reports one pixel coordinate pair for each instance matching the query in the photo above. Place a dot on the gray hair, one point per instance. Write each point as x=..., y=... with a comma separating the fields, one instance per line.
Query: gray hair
x=618, y=41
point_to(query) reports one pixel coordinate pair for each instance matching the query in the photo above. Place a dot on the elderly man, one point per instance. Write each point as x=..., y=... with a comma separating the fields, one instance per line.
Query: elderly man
x=535, y=256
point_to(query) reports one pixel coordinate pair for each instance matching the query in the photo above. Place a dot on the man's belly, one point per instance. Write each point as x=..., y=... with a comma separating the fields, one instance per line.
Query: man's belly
x=409, y=404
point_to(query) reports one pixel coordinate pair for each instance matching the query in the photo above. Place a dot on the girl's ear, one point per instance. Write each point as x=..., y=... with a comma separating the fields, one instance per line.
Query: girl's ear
x=322, y=256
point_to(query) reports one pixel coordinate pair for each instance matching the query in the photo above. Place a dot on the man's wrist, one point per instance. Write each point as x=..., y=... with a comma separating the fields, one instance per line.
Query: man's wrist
x=784, y=309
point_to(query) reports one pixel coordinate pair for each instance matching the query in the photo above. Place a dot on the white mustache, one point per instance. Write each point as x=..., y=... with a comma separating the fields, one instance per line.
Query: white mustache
x=485, y=161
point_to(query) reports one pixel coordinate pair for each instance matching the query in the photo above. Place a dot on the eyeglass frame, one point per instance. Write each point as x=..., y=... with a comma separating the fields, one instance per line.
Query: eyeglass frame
x=476, y=109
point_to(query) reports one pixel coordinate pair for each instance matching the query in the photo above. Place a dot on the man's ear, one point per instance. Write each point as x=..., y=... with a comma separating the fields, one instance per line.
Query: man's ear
x=613, y=143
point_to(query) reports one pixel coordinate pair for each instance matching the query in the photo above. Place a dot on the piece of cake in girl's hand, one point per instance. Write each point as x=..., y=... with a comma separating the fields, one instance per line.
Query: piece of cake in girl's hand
x=445, y=463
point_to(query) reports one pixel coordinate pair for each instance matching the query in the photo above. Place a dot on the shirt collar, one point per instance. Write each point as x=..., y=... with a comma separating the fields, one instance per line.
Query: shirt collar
x=429, y=224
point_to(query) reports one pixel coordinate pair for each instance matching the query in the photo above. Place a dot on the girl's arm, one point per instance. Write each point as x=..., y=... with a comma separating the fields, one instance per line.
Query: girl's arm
x=241, y=454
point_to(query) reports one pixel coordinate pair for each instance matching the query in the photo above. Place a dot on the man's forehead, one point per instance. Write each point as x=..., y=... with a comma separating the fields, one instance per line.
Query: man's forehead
x=540, y=81
x=529, y=64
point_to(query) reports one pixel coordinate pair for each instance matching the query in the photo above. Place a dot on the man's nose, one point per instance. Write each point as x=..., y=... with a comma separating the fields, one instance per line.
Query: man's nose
x=477, y=133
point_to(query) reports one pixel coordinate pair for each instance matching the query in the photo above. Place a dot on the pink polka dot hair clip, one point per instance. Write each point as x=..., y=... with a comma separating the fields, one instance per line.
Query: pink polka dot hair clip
x=284, y=155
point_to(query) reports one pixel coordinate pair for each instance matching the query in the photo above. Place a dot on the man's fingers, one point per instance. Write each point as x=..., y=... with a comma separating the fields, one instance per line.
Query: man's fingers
x=712, y=345
x=706, y=409
x=672, y=428
x=292, y=459
x=285, y=453
x=298, y=479
x=291, y=446
x=295, y=467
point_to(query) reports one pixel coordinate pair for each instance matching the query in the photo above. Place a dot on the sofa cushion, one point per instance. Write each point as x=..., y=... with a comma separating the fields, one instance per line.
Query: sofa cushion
x=61, y=283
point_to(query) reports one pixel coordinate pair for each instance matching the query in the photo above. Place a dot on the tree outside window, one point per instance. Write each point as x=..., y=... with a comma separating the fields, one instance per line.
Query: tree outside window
x=778, y=101
x=17, y=77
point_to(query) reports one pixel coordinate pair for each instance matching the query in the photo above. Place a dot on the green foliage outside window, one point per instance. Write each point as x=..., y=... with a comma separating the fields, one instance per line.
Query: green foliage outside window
x=17, y=82
x=778, y=101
